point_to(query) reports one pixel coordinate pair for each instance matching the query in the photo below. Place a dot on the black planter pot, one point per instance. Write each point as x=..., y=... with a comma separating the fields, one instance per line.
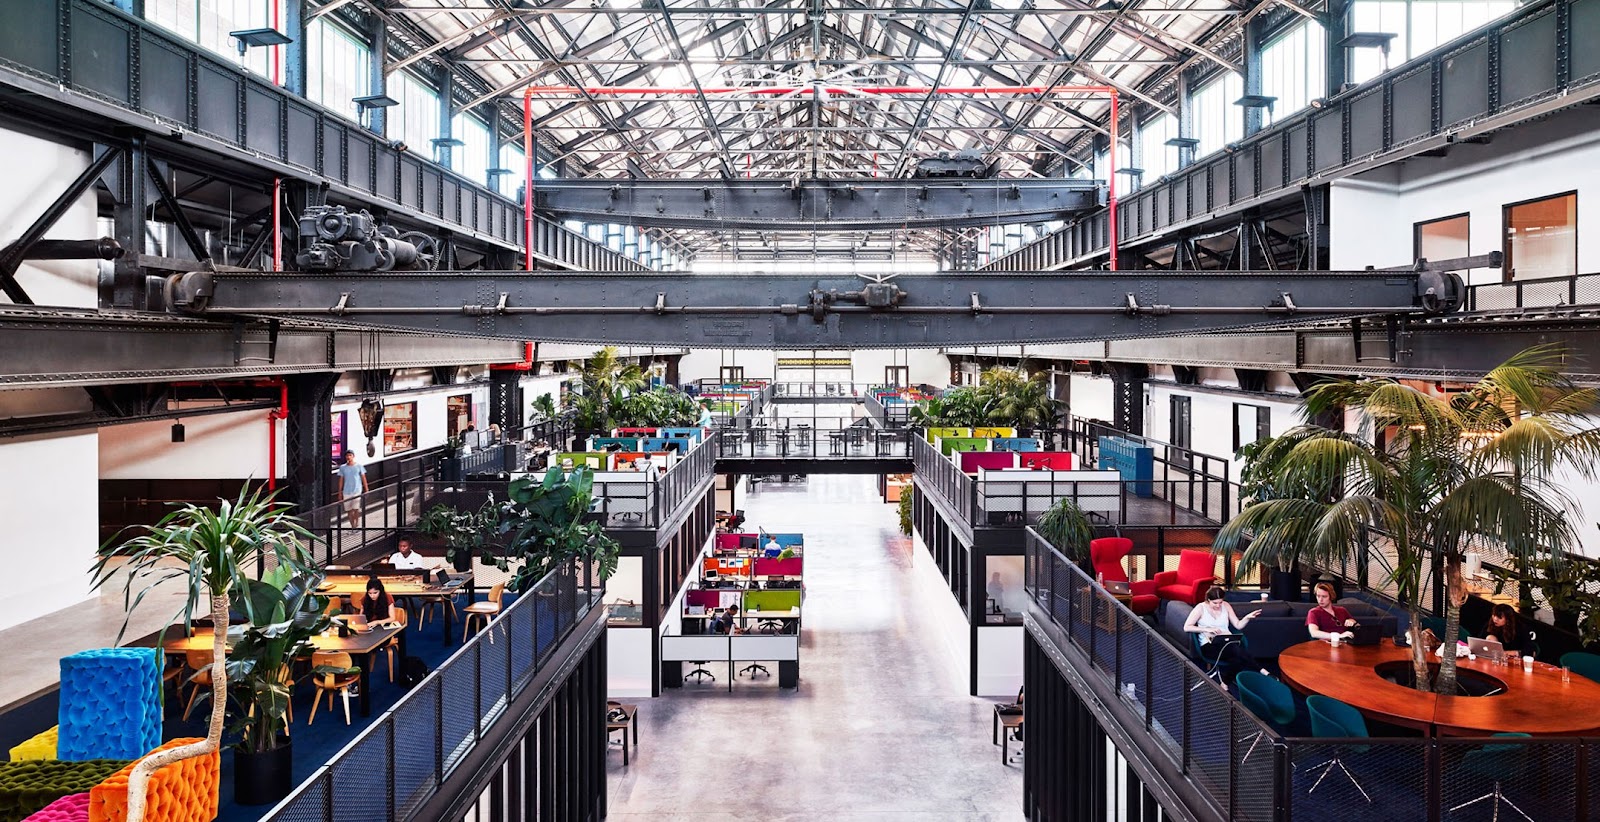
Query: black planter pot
x=462, y=561
x=263, y=778
x=1285, y=586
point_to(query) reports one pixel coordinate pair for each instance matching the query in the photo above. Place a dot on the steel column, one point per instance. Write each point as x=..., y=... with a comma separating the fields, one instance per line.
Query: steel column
x=309, y=435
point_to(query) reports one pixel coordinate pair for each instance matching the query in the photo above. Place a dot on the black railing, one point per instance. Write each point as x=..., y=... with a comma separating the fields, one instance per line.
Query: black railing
x=1247, y=771
x=389, y=771
x=1553, y=292
x=1197, y=482
x=821, y=389
x=890, y=415
x=815, y=438
x=937, y=474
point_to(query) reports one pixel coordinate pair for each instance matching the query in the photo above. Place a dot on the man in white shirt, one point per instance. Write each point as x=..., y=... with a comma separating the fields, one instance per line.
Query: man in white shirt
x=406, y=559
x=773, y=548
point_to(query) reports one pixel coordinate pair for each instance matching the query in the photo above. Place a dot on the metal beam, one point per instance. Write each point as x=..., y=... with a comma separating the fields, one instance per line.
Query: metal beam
x=833, y=205
x=787, y=310
x=68, y=347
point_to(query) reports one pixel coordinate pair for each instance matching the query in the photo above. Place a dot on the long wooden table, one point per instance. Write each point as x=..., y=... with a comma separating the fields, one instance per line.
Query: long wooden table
x=1538, y=703
x=361, y=647
x=400, y=586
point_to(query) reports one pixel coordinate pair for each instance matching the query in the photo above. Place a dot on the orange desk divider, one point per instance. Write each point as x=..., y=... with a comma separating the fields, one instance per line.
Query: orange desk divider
x=185, y=791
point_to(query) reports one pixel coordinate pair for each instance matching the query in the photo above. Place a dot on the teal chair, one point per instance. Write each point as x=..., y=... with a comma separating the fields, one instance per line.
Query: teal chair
x=1587, y=665
x=1332, y=719
x=1493, y=763
x=1270, y=700
x=1436, y=625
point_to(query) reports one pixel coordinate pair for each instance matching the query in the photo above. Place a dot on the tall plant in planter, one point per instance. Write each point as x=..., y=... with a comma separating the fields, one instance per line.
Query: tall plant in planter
x=543, y=527
x=1477, y=465
x=1282, y=503
x=1012, y=398
x=1068, y=528
x=214, y=552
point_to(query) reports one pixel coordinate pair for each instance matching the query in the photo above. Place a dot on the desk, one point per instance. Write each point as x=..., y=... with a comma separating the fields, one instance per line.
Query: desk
x=405, y=586
x=1004, y=724
x=1538, y=703
x=358, y=646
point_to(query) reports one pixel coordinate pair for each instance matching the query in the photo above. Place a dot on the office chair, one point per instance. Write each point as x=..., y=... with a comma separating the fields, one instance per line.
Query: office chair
x=1497, y=762
x=1333, y=719
x=1270, y=700
x=753, y=667
x=700, y=671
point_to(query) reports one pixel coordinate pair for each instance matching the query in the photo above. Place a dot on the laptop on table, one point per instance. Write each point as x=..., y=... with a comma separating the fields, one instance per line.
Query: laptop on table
x=1488, y=648
x=1366, y=633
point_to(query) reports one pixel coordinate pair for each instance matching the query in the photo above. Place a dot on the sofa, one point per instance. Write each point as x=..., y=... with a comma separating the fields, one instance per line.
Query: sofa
x=1281, y=624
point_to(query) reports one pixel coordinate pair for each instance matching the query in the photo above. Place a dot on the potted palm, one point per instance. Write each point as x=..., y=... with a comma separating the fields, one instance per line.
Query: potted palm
x=1014, y=399
x=261, y=676
x=1477, y=465
x=214, y=551
x=1068, y=528
x=1260, y=481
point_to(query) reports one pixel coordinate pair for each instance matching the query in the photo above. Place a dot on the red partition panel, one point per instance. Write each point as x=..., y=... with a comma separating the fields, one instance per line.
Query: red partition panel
x=1053, y=460
x=971, y=461
x=791, y=567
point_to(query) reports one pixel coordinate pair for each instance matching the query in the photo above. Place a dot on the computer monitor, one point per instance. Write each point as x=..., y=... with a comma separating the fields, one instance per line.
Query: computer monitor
x=748, y=541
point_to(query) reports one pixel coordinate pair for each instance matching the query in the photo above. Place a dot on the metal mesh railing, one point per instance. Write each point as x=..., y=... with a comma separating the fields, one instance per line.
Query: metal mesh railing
x=400, y=761
x=1581, y=289
x=1249, y=771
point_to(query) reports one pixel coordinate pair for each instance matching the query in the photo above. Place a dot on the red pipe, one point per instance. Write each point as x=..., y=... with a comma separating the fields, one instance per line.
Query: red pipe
x=1109, y=91
x=525, y=365
x=527, y=185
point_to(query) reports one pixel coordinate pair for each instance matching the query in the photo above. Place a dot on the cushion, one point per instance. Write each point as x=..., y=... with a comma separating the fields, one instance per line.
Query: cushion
x=41, y=746
x=110, y=703
x=185, y=791
x=1301, y=609
x=26, y=787
x=1359, y=607
x=70, y=808
x=1270, y=608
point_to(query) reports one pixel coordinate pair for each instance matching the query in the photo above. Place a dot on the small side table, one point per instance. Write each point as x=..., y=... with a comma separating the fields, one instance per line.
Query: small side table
x=628, y=724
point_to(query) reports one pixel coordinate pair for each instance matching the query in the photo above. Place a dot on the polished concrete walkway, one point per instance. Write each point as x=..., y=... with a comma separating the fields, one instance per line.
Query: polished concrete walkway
x=881, y=727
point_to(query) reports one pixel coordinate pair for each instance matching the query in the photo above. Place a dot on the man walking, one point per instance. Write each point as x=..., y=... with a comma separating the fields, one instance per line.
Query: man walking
x=352, y=484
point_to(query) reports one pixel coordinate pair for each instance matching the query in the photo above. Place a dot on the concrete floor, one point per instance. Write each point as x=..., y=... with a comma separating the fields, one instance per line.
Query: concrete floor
x=881, y=727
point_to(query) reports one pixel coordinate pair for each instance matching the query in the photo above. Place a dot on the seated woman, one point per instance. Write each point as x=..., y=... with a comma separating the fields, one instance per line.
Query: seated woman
x=1328, y=620
x=1214, y=620
x=1504, y=626
x=377, y=606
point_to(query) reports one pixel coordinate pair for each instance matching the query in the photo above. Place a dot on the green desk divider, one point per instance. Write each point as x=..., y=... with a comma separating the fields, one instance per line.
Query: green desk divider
x=949, y=445
x=596, y=460
x=779, y=600
x=935, y=433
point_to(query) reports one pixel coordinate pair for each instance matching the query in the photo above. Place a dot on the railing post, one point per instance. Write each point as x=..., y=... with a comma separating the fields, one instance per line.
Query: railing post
x=389, y=770
x=1434, y=792
x=1282, y=783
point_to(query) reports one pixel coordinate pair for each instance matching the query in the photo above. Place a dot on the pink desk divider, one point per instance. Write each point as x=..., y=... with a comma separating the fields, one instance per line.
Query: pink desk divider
x=708, y=599
x=971, y=461
x=791, y=567
x=1052, y=460
x=729, y=542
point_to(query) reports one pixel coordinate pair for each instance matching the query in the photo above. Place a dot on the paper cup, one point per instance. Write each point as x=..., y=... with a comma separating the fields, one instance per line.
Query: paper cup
x=1527, y=664
x=1335, y=640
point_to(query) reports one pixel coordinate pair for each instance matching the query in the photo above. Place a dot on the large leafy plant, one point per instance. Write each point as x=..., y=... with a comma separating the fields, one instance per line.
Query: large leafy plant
x=542, y=527
x=468, y=531
x=213, y=551
x=1004, y=396
x=656, y=407
x=286, y=615
x=1068, y=528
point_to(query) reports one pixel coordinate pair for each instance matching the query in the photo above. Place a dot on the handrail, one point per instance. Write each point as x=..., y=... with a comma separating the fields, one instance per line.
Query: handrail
x=400, y=761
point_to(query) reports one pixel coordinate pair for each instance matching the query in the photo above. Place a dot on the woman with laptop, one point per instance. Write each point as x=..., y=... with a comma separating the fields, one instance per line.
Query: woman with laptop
x=1221, y=633
x=377, y=607
x=1514, y=638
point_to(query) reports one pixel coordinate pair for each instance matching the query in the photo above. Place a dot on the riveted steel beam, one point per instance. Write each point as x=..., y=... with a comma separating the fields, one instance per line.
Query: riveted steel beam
x=832, y=205
x=785, y=310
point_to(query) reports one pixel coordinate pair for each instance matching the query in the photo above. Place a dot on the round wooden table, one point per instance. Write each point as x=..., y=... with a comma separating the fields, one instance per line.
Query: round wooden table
x=1538, y=703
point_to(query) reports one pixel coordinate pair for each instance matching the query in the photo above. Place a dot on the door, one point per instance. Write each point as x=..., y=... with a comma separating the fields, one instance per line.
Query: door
x=1181, y=431
x=896, y=376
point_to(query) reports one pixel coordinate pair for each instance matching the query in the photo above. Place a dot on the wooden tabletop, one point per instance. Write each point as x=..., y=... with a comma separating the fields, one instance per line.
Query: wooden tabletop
x=1538, y=703
x=399, y=585
x=353, y=644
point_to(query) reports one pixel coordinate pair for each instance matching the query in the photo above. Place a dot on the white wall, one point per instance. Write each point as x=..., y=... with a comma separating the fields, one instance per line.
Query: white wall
x=1586, y=493
x=706, y=363
x=39, y=171
x=430, y=420
x=48, y=507
x=1211, y=417
x=227, y=446
x=535, y=387
x=1092, y=397
x=1372, y=219
x=999, y=660
x=630, y=654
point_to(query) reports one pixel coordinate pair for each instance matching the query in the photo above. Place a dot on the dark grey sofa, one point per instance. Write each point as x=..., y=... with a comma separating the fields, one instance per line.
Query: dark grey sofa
x=1281, y=624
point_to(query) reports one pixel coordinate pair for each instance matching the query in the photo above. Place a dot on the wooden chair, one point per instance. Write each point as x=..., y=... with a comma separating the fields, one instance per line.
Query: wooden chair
x=484, y=611
x=332, y=683
x=392, y=647
x=199, y=661
x=441, y=602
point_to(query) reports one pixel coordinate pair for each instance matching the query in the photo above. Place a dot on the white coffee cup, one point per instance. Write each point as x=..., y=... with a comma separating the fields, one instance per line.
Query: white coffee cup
x=1263, y=596
x=1527, y=664
x=1335, y=639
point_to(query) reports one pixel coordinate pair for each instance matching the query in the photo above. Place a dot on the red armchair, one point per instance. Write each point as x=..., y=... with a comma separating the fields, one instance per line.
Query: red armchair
x=1106, y=555
x=1196, y=572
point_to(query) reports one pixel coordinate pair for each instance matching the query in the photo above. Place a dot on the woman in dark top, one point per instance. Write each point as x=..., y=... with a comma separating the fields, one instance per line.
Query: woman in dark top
x=1509, y=630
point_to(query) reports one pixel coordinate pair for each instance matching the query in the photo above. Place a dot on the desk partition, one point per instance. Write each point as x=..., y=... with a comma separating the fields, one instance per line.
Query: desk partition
x=751, y=647
x=1054, y=460
x=782, y=599
x=784, y=649
x=615, y=444
x=934, y=434
x=597, y=460
x=950, y=445
x=791, y=567
x=972, y=461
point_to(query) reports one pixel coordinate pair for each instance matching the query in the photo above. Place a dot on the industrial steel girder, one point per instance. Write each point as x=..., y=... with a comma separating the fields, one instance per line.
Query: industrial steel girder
x=785, y=310
x=865, y=204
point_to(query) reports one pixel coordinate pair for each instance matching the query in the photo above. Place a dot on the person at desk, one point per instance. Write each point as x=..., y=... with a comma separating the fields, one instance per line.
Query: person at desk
x=378, y=606
x=1327, y=620
x=773, y=549
x=727, y=621
x=1504, y=626
x=1215, y=621
x=406, y=559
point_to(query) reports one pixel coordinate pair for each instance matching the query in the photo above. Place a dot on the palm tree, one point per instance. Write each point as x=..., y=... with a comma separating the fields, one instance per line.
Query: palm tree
x=1017, y=400
x=217, y=551
x=606, y=382
x=1477, y=466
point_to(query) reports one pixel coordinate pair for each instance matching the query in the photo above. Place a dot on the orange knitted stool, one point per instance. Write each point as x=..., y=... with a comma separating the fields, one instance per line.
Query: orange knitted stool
x=185, y=791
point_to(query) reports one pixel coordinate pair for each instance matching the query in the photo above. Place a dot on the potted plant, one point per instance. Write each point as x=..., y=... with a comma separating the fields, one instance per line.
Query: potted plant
x=464, y=533
x=213, y=551
x=286, y=614
x=543, y=526
x=903, y=510
x=1261, y=481
x=1480, y=464
x=1068, y=528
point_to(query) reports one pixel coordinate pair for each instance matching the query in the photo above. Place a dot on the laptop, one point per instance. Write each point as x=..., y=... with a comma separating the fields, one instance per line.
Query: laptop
x=1488, y=648
x=357, y=623
x=1366, y=633
x=1117, y=587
